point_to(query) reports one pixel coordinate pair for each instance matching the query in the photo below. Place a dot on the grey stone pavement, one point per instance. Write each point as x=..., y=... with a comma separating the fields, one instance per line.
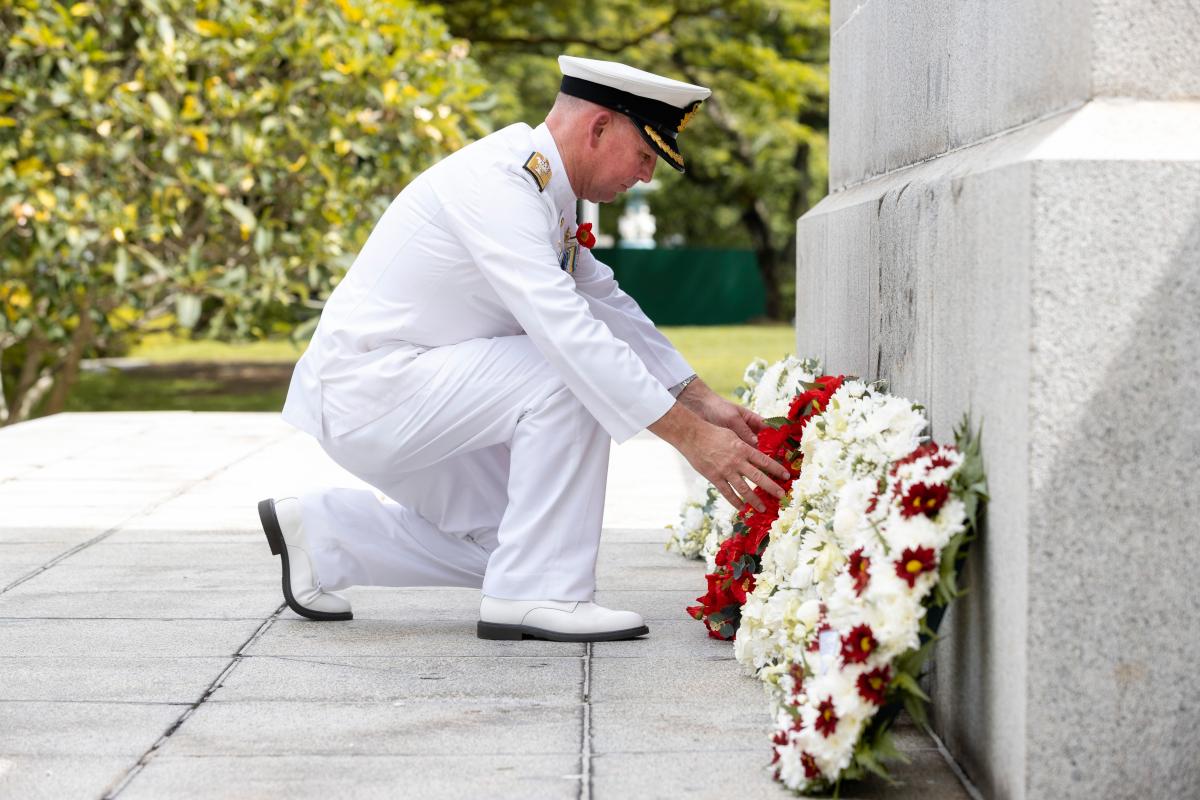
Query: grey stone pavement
x=145, y=651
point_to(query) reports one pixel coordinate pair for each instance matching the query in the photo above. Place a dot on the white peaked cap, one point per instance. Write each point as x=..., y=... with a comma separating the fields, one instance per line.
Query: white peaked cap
x=659, y=107
x=633, y=80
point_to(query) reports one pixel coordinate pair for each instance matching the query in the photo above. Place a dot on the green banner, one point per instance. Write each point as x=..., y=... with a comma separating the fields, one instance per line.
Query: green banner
x=690, y=286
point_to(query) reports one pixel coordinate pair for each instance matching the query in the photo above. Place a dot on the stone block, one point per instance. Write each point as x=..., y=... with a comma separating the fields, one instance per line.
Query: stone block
x=1054, y=295
x=1148, y=52
x=911, y=80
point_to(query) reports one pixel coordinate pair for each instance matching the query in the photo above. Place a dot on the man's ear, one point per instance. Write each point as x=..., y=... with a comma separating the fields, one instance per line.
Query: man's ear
x=601, y=123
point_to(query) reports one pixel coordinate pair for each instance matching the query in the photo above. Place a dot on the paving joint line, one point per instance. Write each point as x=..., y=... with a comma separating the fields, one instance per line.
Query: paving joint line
x=585, y=731
x=140, y=513
x=121, y=783
x=958, y=771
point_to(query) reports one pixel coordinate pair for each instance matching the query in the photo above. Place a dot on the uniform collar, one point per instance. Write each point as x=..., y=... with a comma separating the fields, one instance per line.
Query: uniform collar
x=559, y=187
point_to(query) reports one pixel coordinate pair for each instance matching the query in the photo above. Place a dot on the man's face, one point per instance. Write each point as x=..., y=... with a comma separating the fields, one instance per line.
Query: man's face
x=622, y=160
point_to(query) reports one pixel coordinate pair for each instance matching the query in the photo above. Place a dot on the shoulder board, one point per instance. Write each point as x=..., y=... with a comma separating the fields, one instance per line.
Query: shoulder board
x=539, y=168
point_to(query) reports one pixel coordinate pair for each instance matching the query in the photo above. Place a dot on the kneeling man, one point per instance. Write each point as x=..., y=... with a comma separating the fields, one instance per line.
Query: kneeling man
x=474, y=363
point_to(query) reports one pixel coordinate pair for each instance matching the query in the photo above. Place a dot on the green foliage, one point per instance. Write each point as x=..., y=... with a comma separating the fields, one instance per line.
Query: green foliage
x=213, y=165
x=755, y=152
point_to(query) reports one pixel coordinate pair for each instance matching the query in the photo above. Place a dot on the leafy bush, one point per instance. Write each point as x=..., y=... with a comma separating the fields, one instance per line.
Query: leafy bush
x=213, y=165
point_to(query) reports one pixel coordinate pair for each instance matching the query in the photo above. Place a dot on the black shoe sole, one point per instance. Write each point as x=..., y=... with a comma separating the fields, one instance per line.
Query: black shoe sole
x=270, y=526
x=497, y=630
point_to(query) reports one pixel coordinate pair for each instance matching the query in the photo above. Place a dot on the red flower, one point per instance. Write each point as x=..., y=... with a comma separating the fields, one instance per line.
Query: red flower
x=780, y=739
x=816, y=400
x=860, y=567
x=796, y=670
x=811, y=770
x=730, y=551
x=741, y=587
x=583, y=235
x=827, y=718
x=773, y=442
x=858, y=644
x=936, y=454
x=915, y=562
x=872, y=686
x=924, y=499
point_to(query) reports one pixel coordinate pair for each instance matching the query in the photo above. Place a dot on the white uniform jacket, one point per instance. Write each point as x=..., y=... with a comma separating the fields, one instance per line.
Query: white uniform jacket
x=472, y=249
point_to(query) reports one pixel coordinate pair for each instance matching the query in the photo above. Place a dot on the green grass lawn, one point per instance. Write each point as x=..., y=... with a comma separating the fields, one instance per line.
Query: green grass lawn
x=210, y=376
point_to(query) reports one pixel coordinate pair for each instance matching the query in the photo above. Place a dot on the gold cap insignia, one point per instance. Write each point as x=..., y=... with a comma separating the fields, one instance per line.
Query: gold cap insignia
x=687, y=116
x=671, y=152
x=539, y=168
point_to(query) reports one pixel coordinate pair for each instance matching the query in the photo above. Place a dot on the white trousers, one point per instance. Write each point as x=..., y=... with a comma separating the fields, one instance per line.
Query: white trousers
x=495, y=475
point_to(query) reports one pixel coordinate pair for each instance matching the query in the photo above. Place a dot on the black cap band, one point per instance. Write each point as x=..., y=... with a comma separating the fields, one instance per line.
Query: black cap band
x=663, y=116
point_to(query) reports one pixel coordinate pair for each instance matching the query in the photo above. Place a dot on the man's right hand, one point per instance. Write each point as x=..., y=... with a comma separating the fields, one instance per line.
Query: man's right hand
x=722, y=457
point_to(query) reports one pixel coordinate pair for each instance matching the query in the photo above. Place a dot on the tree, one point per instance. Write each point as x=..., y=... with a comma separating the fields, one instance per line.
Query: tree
x=212, y=165
x=756, y=152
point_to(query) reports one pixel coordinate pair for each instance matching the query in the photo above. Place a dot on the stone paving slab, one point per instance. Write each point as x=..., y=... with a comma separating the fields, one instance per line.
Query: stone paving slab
x=398, y=678
x=389, y=637
x=28, y=601
x=397, y=727
x=47, y=777
x=145, y=652
x=117, y=638
x=445, y=777
x=125, y=679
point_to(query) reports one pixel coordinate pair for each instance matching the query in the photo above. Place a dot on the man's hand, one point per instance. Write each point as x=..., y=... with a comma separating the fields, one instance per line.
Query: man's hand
x=716, y=409
x=721, y=456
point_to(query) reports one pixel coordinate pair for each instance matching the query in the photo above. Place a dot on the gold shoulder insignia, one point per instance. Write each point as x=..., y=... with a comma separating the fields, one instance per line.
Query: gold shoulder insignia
x=539, y=168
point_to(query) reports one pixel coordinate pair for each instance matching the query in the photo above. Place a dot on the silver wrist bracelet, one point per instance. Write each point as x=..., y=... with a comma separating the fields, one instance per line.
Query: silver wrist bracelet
x=678, y=388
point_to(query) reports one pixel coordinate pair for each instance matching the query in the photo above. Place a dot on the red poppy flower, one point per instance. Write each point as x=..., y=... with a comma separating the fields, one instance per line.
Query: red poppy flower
x=924, y=499
x=859, y=643
x=827, y=718
x=914, y=562
x=860, y=567
x=872, y=686
x=584, y=235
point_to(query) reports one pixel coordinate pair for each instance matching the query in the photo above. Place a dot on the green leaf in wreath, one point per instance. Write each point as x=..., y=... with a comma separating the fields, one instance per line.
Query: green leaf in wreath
x=907, y=684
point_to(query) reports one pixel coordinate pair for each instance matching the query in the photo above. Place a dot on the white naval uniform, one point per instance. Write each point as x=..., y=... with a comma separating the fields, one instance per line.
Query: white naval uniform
x=463, y=372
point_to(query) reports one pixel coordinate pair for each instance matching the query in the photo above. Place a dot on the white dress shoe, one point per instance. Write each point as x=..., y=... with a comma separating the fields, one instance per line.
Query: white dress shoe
x=556, y=620
x=285, y=533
